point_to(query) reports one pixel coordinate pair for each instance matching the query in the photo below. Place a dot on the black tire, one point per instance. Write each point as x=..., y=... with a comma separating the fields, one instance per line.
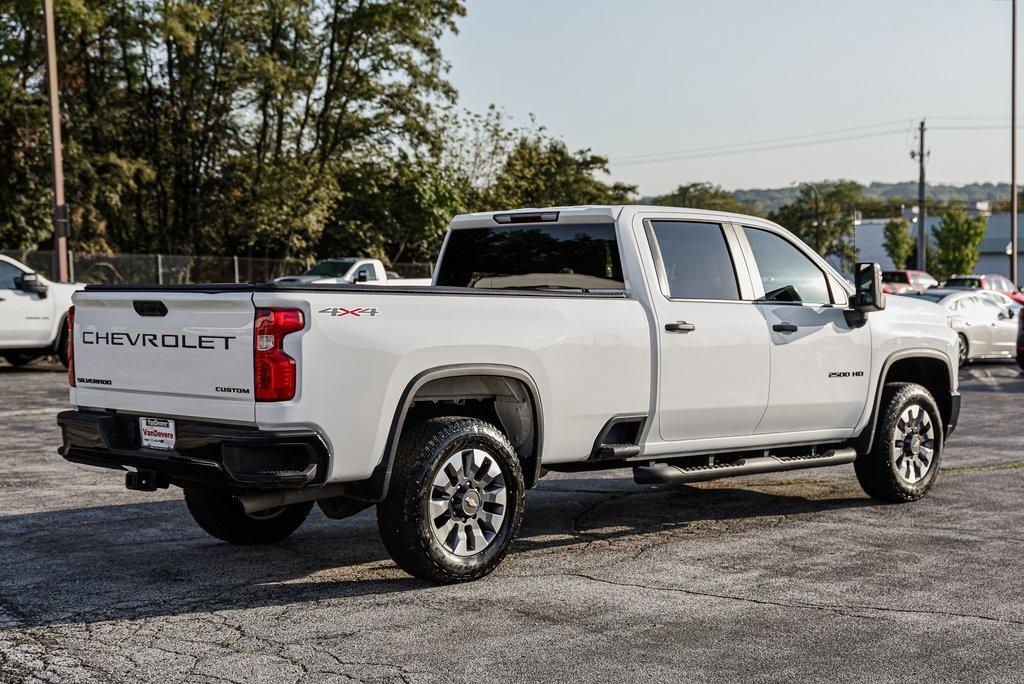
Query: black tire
x=222, y=516
x=1020, y=361
x=19, y=359
x=62, y=348
x=963, y=350
x=404, y=517
x=890, y=472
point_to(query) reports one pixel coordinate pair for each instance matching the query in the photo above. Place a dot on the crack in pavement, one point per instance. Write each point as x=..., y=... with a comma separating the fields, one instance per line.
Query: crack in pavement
x=840, y=609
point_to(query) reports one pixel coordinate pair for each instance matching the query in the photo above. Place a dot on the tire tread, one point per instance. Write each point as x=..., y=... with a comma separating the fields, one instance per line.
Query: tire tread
x=398, y=516
x=874, y=469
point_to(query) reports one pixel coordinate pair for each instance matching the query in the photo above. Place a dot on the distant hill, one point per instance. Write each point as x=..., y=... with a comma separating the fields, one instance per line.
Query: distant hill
x=770, y=199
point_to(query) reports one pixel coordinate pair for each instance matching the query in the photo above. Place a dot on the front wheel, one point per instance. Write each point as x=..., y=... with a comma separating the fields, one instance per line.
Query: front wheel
x=223, y=516
x=963, y=350
x=455, y=502
x=19, y=359
x=904, y=461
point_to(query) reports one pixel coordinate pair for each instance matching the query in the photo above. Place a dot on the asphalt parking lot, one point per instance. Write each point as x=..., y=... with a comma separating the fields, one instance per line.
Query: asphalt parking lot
x=774, y=578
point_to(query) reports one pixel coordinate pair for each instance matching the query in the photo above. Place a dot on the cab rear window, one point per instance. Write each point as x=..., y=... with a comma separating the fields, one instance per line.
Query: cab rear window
x=533, y=257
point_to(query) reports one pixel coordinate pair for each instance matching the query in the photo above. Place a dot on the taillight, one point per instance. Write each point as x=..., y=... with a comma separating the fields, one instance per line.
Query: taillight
x=273, y=370
x=70, y=342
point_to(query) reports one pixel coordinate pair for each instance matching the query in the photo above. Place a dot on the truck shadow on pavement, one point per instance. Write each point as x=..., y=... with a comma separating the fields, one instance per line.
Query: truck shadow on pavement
x=138, y=561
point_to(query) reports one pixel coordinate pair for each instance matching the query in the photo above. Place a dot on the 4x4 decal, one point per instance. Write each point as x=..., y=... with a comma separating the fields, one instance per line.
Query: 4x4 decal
x=338, y=311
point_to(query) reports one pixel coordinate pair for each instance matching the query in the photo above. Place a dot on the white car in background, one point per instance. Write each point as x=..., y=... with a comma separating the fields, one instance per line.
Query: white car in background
x=985, y=321
x=33, y=313
x=357, y=271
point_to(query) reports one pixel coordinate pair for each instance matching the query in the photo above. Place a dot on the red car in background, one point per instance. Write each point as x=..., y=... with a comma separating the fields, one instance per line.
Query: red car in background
x=900, y=282
x=989, y=281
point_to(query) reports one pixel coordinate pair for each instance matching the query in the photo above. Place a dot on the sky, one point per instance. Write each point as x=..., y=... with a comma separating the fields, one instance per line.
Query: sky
x=634, y=80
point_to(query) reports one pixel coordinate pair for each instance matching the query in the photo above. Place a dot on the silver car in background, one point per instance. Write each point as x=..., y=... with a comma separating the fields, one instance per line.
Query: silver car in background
x=985, y=321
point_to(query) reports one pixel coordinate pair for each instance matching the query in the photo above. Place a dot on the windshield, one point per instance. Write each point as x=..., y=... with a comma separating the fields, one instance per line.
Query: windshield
x=578, y=256
x=894, y=277
x=963, y=282
x=331, y=268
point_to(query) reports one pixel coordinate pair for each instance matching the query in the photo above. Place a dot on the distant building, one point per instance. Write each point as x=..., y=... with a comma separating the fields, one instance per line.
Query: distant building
x=870, y=239
x=995, y=246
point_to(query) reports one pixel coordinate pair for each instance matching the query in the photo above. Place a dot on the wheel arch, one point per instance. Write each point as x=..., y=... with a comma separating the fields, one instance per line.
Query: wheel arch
x=929, y=368
x=525, y=419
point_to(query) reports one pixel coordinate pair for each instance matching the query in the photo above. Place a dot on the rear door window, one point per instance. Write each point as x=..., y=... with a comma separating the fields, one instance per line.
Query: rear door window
x=695, y=260
x=533, y=257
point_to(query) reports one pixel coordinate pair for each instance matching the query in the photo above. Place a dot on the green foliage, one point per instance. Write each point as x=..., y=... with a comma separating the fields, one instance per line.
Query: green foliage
x=704, y=195
x=543, y=172
x=898, y=242
x=205, y=126
x=822, y=216
x=392, y=210
x=282, y=128
x=957, y=243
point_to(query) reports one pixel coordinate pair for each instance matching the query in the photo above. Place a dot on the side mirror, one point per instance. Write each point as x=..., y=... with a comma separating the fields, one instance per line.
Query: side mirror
x=868, y=295
x=30, y=283
x=362, y=275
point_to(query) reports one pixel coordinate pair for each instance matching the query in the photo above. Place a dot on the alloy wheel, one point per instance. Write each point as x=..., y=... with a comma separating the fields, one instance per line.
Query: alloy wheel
x=913, y=445
x=467, y=502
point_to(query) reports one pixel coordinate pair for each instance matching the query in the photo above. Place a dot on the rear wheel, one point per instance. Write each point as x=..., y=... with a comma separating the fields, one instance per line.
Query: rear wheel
x=963, y=349
x=904, y=461
x=62, y=349
x=455, y=501
x=222, y=516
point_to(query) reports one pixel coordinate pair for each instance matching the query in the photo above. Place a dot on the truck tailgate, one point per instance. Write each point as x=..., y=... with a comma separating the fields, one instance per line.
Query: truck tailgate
x=187, y=354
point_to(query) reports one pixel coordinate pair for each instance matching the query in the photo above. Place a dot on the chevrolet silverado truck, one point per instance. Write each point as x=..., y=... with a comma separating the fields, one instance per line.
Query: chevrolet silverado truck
x=686, y=345
x=33, y=313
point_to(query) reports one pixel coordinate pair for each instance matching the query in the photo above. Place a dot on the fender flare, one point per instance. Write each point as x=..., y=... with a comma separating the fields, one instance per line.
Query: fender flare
x=862, y=442
x=375, y=488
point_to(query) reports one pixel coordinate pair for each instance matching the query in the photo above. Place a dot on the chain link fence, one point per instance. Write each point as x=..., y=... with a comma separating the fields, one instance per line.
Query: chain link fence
x=179, y=269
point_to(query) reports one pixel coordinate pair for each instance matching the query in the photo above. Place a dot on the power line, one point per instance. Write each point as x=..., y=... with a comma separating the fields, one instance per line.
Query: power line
x=759, y=148
x=766, y=141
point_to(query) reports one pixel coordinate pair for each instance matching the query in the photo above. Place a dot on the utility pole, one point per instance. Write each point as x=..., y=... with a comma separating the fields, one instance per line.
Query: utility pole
x=922, y=211
x=60, y=209
x=1013, y=148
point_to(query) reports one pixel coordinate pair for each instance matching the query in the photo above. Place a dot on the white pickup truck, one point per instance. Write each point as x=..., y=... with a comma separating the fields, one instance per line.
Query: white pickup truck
x=687, y=345
x=342, y=271
x=33, y=313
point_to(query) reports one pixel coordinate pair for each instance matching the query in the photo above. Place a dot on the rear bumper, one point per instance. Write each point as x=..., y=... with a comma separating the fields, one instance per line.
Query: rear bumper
x=204, y=454
x=954, y=412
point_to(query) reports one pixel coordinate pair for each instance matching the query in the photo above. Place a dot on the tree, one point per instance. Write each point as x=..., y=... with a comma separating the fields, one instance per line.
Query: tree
x=542, y=172
x=704, y=195
x=957, y=243
x=823, y=217
x=392, y=210
x=898, y=242
x=207, y=126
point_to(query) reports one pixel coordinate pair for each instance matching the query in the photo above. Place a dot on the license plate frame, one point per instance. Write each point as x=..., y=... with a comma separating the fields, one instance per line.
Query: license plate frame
x=157, y=433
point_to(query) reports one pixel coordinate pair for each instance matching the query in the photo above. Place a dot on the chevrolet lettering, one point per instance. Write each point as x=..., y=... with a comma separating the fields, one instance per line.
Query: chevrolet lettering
x=165, y=341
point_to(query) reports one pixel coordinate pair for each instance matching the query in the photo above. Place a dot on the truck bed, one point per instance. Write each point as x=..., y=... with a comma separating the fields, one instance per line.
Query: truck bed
x=360, y=348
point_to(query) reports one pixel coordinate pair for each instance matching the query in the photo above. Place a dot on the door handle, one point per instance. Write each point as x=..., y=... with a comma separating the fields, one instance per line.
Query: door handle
x=680, y=326
x=784, y=328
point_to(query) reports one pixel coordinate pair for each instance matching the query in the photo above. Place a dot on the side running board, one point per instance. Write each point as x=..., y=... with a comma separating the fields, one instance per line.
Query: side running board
x=663, y=473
